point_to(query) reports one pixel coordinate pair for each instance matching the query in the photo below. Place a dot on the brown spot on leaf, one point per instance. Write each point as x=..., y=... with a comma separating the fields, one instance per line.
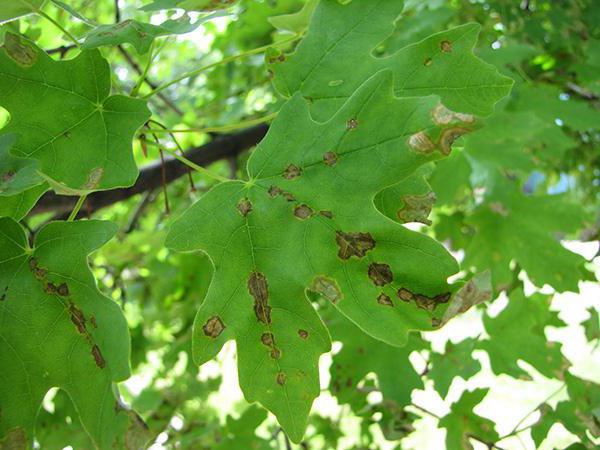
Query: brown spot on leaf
x=421, y=143
x=384, y=299
x=50, y=288
x=352, y=124
x=435, y=322
x=94, y=178
x=63, y=290
x=275, y=353
x=8, y=176
x=291, y=172
x=303, y=212
x=274, y=191
x=328, y=288
x=303, y=334
x=380, y=274
x=427, y=62
x=327, y=214
x=281, y=378
x=93, y=321
x=446, y=46
x=19, y=50
x=288, y=196
x=244, y=206
x=444, y=116
x=14, y=439
x=259, y=290
x=97, y=354
x=423, y=301
x=353, y=244
x=77, y=318
x=417, y=208
x=449, y=136
x=330, y=158
x=267, y=339
x=213, y=327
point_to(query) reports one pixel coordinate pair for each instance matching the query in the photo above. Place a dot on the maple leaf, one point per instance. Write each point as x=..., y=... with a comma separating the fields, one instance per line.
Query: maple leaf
x=300, y=223
x=456, y=361
x=58, y=330
x=11, y=10
x=80, y=136
x=336, y=57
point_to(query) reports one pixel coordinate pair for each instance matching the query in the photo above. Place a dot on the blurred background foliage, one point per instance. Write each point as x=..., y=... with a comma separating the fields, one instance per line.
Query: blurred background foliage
x=510, y=191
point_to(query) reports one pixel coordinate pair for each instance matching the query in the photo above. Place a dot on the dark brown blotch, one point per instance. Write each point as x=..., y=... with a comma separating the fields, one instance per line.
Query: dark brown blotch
x=446, y=46
x=281, y=378
x=77, y=318
x=353, y=244
x=303, y=212
x=327, y=214
x=380, y=274
x=330, y=158
x=267, y=339
x=97, y=354
x=427, y=62
x=352, y=124
x=259, y=290
x=303, y=334
x=275, y=353
x=448, y=137
x=63, y=290
x=213, y=327
x=292, y=172
x=244, y=207
x=274, y=191
x=384, y=299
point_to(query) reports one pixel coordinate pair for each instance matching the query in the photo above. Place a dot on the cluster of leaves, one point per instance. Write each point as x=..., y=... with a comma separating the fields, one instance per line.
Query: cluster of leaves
x=476, y=123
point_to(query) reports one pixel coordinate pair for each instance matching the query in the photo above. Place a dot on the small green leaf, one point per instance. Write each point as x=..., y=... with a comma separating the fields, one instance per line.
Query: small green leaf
x=517, y=333
x=296, y=22
x=189, y=5
x=16, y=174
x=58, y=330
x=456, y=361
x=462, y=423
x=139, y=34
x=66, y=119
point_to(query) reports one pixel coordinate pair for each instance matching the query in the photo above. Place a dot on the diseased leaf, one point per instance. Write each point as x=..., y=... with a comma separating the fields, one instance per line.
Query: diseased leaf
x=139, y=34
x=301, y=207
x=456, y=361
x=517, y=333
x=462, y=422
x=13, y=9
x=79, y=134
x=336, y=57
x=57, y=329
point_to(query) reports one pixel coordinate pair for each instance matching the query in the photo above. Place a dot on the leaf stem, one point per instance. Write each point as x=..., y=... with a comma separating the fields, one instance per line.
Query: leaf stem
x=191, y=164
x=59, y=26
x=232, y=127
x=77, y=208
x=226, y=60
x=144, y=74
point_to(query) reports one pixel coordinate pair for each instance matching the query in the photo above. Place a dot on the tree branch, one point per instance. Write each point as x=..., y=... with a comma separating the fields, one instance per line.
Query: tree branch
x=223, y=146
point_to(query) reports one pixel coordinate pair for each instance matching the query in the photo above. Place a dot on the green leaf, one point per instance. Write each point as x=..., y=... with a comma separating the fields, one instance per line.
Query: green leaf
x=517, y=333
x=300, y=223
x=139, y=34
x=65, y=118
x=74, y=13
x=514, y=227
x=456, y=361
x=241, y=433
x=189, y=5
x=296, y=22
x=336, y=57
x=462, y=422
x=13, y=9
x=58, y=330
x=16, y=174
x=592, y=325
x=18, y=206
x=361, y=355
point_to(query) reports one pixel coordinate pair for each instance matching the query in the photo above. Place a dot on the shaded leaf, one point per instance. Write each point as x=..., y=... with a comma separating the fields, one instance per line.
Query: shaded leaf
x=59, y=330
x=456, y=361
x=66, y=119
